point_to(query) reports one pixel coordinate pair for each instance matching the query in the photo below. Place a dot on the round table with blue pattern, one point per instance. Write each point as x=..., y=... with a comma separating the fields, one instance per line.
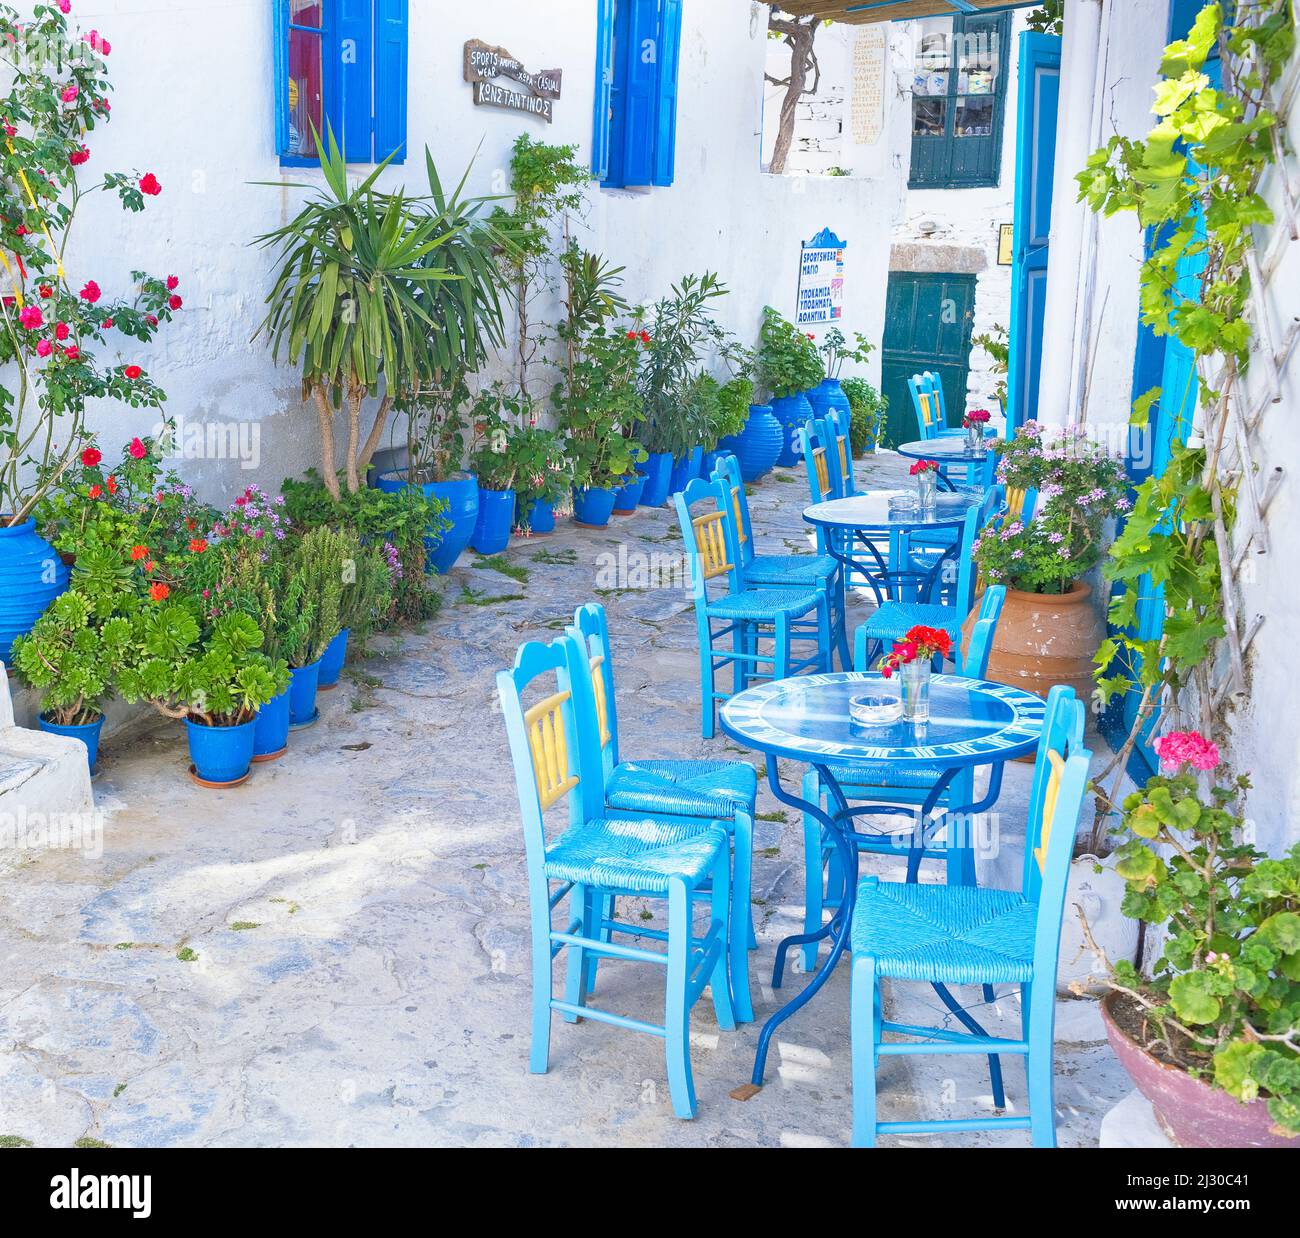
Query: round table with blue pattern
x=806, y=719
x=950, y=453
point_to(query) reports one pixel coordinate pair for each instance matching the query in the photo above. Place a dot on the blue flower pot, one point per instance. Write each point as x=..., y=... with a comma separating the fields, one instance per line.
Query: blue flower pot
x=271, y=728
x=593, y=508
x=540, y=517
x=460, y=494
x=496, y=518
x=31, y=576
x=626, y=500
x=221, y=754
x=828, y=400
x=303, y=682
x=710, y=463
x=696, y=462
x=658, y=473
x=758, y=445
x=791, y=412
x=680, y=477
x=88, y=733
x=331, y=661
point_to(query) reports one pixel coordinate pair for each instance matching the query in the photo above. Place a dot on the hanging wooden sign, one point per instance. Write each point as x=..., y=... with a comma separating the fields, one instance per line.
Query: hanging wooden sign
x=484, y=64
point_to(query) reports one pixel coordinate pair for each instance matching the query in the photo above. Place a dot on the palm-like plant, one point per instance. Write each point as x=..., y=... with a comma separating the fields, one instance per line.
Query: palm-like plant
x=347, y=306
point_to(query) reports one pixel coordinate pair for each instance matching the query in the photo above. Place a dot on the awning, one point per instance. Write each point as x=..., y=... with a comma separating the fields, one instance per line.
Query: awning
x=859, y=12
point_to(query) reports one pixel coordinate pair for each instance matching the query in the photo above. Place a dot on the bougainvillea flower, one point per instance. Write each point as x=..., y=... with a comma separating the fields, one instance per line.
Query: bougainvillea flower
x=44, y=348
x=31, y=317
x=133, y=372
x=91, y=457
x=90, y=292
x=158, y=591
x=149, y=184
x=137, y=449
x=1180, y=748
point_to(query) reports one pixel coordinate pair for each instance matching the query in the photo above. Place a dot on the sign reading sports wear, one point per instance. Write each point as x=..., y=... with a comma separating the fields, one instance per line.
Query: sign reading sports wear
x=821, y=280
x=484, y=64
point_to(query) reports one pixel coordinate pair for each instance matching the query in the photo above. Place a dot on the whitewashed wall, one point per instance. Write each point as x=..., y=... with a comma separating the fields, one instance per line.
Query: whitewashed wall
x=194, y=84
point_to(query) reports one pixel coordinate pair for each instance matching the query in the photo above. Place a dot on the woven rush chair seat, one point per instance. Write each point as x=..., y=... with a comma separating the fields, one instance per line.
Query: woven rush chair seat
x=640, y=857
x=790, y=569
x=682, y=788
x=758, y=604
x=894, y=620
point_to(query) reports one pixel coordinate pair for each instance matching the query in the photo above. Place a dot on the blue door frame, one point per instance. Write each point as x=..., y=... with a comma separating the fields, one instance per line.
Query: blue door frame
x=1040, y=83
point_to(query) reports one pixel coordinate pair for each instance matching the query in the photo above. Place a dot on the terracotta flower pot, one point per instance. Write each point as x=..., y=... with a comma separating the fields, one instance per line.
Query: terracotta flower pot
x=1194, y=1113
x=1044, y=639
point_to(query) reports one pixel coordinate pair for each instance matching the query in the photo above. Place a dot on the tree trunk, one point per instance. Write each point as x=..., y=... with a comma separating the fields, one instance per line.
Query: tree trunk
x=376, y=432
x=799, y=36
x=329, y=468
x=355, y=398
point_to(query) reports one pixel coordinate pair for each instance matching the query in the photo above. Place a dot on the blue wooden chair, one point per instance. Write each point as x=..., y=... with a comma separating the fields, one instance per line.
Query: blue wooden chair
x=963, y=935
x=598, y=858
x=900, y=793
x=745, y=614
x=700, y=791
x=815, y=441
x=789, y=571
x=927, y=402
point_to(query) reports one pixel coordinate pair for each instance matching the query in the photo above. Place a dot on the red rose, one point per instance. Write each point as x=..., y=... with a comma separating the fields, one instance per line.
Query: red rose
x=158, y=592
x=151, y=319
x=173, y=283
x=149, y=184
x=137, y=449
x=72, y=352
x=175, y=303
x=91, y=457
x=79, y=156
x=91, y=292
x=45, y=290
x=133, y=372
x=95, y=492
x=108, y=322
x=61, y=331
x=21, y=230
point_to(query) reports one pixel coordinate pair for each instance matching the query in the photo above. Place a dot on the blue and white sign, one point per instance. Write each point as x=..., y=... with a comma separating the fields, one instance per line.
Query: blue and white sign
x=821, y=280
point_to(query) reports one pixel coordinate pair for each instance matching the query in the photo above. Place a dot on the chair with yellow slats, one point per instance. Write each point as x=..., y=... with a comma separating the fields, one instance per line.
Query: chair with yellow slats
x=598, y=859
x=962, y=935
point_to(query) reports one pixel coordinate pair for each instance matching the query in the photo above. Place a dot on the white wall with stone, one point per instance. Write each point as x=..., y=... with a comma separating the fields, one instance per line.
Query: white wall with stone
x=193, y=103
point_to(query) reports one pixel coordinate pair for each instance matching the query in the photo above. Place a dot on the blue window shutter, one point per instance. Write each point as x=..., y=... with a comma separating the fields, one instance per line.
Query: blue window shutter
x=642, y=61
x=391, y=40
x=670, y=55
x=353, y=52
x=600, y=129
x=280, y=42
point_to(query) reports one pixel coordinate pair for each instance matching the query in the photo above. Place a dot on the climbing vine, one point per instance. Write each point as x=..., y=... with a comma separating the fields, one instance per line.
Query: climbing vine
x=1194, y=183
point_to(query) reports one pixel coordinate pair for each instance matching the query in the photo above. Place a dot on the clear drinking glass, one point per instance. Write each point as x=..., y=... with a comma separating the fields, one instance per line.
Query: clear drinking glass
x=927, y=487
x=916, y=690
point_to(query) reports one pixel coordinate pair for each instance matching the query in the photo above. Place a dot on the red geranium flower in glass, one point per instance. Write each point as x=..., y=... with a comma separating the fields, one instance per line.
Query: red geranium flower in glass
x=137, y=450
x=91, y=457
x=149, y=184
x=924, y=466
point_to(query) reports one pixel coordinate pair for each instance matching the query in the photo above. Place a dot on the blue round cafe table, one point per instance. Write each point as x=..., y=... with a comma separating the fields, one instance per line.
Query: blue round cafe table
x=950, y=453
x=865, y=520
x=806, y=719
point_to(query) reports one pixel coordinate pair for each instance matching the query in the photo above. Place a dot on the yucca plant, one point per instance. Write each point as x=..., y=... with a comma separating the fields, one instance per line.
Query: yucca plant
x=350, y=304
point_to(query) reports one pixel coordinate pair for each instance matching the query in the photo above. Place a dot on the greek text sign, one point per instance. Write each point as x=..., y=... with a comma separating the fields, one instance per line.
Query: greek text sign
x=484, y=64
x=821, y=280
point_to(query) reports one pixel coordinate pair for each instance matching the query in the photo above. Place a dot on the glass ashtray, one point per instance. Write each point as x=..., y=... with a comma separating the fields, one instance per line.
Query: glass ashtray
x=903, y=502
x=875, y=709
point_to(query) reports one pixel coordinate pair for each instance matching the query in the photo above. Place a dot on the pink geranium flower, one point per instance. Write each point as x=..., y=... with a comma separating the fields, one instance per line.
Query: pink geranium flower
x=1180, y=748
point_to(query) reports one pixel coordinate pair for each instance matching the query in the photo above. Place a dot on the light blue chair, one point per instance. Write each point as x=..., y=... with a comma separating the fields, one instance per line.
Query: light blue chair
x=689, y=791
x=963, y=935
x=789, y=571
x=598, y=858
x=900, y=793
x=745, y=614
x=815, y=441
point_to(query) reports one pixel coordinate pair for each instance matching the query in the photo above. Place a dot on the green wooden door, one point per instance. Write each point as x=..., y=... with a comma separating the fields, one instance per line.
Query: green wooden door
x=928, y=319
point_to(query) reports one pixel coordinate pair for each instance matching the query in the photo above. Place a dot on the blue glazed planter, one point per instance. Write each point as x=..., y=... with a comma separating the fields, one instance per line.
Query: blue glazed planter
x=791, y=411
x=658, y=473
x=696, y=464
x=710, y=463
x=88, y=734
x=496, y=518
x=828, y=399
x=221, y=754
x=540, y=517
x=626, y=500
x=271, y=728
x=680, y=477
x=303, y=683
x=31, y=576
x=593, y=508
x=331, y=661
x=758, y=445
x=460, y=494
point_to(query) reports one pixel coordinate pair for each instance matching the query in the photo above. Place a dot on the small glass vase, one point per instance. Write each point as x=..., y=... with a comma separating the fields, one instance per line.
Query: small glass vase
x=974, y=439
x=916, y=690
x=927, y=489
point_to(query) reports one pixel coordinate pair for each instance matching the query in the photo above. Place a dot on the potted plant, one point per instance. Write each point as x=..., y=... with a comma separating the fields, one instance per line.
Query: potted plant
x=69, y=657
x=367, y=599
x=52, y=321
x=314, y=582
x=1210, y=1035
x=789, y=365
x=543, y=478
x=828, y=398
x=735, y=397
x=867, y=409
x=1050, y=631
x=498, y=419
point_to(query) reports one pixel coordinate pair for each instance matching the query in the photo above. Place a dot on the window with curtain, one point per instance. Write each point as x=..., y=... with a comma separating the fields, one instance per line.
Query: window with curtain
x=341, y=66
x=638, y=53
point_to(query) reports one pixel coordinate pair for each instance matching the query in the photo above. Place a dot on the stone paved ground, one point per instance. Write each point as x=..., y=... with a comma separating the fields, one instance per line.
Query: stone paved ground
x=355, y=921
